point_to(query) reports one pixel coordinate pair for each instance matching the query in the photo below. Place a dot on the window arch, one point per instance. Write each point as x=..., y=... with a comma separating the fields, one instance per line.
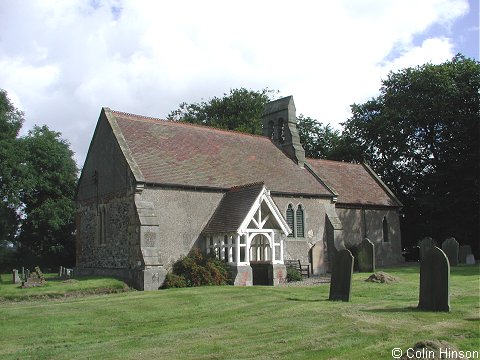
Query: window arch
x=300, y=221
x=102, y=224
x=385, y=230
x=290, y=220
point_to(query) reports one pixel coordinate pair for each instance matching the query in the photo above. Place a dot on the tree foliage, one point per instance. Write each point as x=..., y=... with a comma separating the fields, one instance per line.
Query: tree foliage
x=11, y=172
x=241, y=110
x=318, y=140
x=48, y=202
x=421, y=134
x=37, y=183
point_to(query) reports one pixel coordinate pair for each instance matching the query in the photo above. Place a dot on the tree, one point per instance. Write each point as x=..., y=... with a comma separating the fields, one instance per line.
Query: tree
x=48, y=207
x=11, y=170
x=421, y=134
x=319, y=141
x=241, y=110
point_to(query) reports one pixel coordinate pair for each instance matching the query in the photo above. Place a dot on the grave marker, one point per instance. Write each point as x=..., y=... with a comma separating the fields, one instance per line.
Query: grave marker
x=463, y=251
x=434, y=281
x=341, y=280
x=15, y=276
x=470, y=259
x=450, y=248
x=366, y=256
x=425, y=244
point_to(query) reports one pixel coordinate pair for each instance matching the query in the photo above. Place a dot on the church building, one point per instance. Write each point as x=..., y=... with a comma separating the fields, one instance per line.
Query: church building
x=151, y=190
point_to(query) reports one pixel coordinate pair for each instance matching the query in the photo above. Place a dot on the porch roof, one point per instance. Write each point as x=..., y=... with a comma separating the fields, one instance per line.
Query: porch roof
x=238, y=206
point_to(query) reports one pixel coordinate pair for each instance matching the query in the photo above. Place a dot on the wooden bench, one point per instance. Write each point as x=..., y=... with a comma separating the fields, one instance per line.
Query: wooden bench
x=304, y=269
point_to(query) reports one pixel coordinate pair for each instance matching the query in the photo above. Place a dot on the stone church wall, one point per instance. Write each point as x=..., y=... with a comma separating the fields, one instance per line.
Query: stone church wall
x=315, y=232
x=106, y=182
x=353, y=221
x=182, y=215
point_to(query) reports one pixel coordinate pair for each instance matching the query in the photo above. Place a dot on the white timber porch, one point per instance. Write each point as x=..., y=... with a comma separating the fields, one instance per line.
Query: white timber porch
x=252, y=240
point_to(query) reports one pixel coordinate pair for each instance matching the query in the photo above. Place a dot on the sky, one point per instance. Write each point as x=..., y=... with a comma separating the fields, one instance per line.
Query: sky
x=62, y=61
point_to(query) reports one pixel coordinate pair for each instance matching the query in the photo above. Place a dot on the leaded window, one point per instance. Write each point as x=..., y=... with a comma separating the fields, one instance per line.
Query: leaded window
x=290, y=220
x=300, y=222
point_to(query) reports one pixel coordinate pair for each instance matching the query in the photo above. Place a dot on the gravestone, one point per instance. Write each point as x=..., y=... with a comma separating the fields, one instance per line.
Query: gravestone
x=36, y=278
x=425, y=244
x=366, y=256
x=434, y=281
x=60, y=271
x=450, y=248
x=341, y=280
x=15, y=276
x=470, y=259
x=463, y=251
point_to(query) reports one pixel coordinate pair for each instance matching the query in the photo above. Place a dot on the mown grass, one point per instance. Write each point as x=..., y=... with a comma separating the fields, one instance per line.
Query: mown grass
x=243, y=323
x=58, y=288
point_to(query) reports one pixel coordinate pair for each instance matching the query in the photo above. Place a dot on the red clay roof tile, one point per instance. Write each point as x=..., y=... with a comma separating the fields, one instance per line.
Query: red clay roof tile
x=354, y=184
x=175, y=153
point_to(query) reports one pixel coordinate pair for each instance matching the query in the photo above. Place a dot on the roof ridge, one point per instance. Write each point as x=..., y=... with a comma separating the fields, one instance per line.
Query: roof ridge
x=336, y=161
x=187, y=124
x=246, y=186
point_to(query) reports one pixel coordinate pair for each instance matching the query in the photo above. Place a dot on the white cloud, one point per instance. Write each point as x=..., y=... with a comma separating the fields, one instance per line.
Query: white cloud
x=62, y=61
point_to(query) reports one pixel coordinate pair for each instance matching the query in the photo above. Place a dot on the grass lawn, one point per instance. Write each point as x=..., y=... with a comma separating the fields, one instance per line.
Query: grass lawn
x=58, y=288
x=242, y=323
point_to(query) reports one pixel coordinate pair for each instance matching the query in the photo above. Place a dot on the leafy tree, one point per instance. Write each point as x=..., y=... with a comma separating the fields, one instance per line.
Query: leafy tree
x=319, y=141
x=48, y=207
x=11, y=171
x=421, y=134
x=240, y=110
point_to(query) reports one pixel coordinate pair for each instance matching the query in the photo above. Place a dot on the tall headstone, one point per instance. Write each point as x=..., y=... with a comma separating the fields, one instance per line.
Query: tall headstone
x=450, y=248
x=434, y=281
x=366, y=256
x=463, y=251
x=341, y=281
x=60, y=271
x=15, y=276
x=425, y=244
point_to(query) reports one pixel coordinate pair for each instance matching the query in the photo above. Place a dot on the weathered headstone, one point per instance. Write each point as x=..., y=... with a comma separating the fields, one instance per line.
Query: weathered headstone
x=36, y=278
x=463, y=251
x=425, y=244
x=470, y=259
x=15, y=276
x=450, y=248
x=434, y=281
x=341, y=280
x=366, y=256
x=60, y=271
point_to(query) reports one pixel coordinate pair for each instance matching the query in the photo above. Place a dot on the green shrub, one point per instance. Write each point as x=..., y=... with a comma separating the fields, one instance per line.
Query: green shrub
x=174, y=281
x=196, y=269
x=293, y=274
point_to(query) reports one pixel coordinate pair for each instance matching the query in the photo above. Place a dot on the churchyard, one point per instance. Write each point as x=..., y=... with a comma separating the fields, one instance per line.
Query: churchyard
x=65, y=319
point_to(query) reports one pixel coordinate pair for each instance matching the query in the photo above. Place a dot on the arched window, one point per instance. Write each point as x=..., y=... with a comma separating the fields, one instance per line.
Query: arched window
x=300, y=222
x=385, y=230
x=290, y=219
x=102, y=224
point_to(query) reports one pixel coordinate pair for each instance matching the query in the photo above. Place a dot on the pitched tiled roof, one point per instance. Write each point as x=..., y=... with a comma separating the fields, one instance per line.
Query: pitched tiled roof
x=353, y=182
x=176, y=153
x=233, y=208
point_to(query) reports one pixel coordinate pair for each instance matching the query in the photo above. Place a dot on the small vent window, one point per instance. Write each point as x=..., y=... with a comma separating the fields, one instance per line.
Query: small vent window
x=300, y=222
x=290, y=219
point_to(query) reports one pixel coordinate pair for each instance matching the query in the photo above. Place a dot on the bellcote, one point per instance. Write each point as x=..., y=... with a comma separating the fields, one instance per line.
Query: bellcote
x=279, y=122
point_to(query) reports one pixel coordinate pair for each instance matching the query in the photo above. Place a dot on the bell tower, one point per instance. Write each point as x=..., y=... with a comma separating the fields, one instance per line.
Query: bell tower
x=279, y=122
